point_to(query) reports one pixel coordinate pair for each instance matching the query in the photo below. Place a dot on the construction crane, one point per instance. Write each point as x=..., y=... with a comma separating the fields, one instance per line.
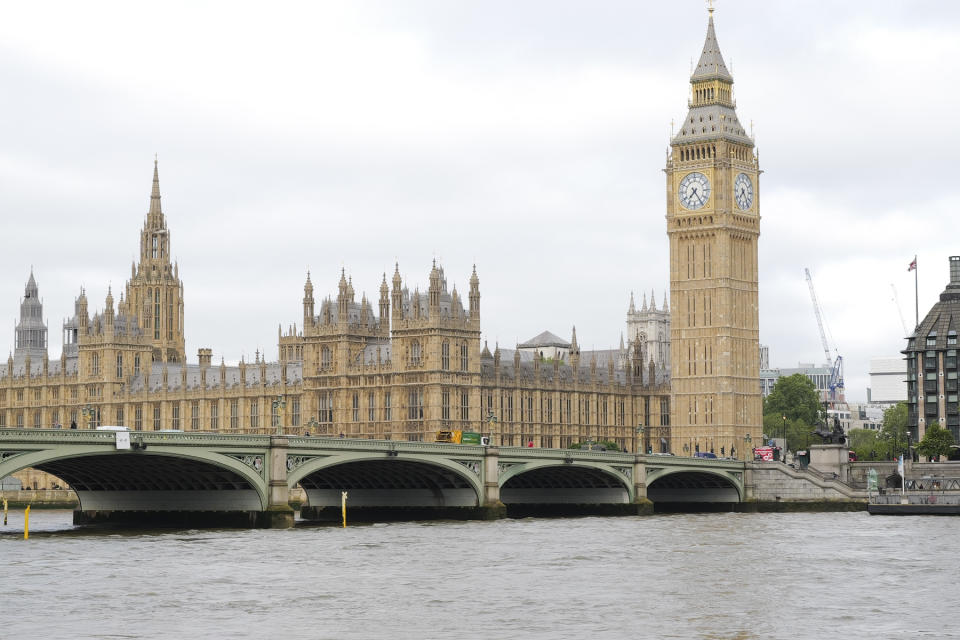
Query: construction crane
x=836, y=366
x=896, y=301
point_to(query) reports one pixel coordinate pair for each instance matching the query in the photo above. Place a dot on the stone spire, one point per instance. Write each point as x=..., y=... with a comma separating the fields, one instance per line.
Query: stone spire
x=711, y=65
x=155, y=210
x=633, y=307
x=665, y=306
x=653, y=301
x=31, y=332
x=644, y=308
x=474, y=293
x=712, y=113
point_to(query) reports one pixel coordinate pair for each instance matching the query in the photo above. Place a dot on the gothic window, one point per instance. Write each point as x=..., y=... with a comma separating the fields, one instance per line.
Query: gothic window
x=214, y=415
x=36, y=419
x=195, y=415
x=664, y=412
x=549, y=410
x=136, y=365
x=175, y=417
x=445, y=356
x=415, y=404
x=464, y=356
x=415, y=355
x=155, y=246
x=234, y=414
x=325, y=402
x=119, y=365
x=445, y=405
x=137, y=417
x=255, y=413
x=156, y=417
x=356, y=406
x=156, y=314
x=510, y=409
x=95, y=364
x=371, y=410
x=326, y=358
x=387, y=413
x=464, y=405
x=118, y=417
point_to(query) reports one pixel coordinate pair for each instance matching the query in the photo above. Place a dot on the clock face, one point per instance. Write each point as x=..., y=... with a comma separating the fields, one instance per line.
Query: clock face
x=743, y=191
x=694, y=190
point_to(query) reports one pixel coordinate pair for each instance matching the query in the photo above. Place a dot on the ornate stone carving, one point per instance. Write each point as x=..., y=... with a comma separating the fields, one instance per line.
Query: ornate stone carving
x=472, y=465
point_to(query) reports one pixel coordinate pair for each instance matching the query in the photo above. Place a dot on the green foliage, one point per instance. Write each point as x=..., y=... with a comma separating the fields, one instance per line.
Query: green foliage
x=936, y=442
x=895, y=423
x=795, y=397
x=798, y=433
x=867, y=445
x=606, y=444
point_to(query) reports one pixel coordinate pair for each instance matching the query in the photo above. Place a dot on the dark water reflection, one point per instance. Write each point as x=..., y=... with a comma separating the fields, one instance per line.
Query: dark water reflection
x=843, y=575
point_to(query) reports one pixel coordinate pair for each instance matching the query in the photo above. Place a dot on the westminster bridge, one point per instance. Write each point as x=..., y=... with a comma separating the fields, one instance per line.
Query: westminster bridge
x=212, y=478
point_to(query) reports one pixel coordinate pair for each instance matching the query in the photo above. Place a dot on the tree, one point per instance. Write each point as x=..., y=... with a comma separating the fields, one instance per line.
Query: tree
x=893, y=435
x=865, y=444
x=936, y=442
x=794, y=397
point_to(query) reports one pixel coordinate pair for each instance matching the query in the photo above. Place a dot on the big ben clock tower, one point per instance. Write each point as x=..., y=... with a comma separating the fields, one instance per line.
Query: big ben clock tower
x=713, y=222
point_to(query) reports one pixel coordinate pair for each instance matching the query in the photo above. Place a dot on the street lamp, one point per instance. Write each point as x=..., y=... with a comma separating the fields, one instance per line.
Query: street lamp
x=491, y=420
x=89, y=413
x=642, y=443
x=278, y=406
x=312, y=425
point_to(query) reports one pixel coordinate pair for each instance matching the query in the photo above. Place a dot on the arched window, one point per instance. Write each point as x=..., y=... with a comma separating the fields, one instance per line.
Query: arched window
x=415, y=355
x=445, y=356
x=464, y=357
x=326, y=358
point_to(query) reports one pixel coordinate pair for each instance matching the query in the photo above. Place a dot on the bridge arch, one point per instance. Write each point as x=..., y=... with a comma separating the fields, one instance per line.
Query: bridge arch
x=694, y=485
x=375, y=480
x=558, y=482
x=153, y=479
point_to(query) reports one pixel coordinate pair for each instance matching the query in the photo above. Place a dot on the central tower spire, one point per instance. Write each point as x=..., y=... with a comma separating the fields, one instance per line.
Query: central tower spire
x=155, y=291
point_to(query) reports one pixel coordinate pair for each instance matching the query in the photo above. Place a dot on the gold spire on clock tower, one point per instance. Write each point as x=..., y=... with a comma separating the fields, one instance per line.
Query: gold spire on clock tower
x=713, y=224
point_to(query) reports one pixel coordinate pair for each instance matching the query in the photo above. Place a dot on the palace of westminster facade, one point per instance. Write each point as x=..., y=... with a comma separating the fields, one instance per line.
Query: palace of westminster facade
x=413, y=363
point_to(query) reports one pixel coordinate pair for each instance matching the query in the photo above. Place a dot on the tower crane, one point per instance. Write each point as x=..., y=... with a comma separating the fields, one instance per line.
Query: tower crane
x=836, y=373
x=896, y=301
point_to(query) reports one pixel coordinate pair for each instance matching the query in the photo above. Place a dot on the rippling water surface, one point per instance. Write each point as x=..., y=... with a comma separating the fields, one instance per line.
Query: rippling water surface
x=845, y=575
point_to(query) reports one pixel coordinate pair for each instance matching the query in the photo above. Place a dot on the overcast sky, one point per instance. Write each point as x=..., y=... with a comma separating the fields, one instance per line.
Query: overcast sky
x=528, y=138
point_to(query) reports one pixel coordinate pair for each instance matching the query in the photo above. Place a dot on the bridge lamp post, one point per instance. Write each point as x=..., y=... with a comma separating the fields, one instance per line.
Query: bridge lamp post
x=784, y=434
x=312, y=425
x=491, y=420
x=88, y=413
x=278, y=406
x=746, y=445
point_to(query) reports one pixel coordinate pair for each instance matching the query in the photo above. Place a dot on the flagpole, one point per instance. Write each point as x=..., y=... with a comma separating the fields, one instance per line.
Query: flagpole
x=916, y=298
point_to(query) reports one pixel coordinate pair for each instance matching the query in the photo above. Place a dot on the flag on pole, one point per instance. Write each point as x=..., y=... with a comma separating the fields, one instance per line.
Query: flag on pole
x=913, y=265
x=900, y=465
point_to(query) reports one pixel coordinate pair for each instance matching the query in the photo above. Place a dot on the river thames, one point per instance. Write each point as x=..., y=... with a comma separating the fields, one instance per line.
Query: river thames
x=718, y=575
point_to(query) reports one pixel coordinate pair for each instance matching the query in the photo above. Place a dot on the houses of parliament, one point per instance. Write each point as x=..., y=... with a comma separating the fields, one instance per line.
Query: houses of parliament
x=411, y=363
